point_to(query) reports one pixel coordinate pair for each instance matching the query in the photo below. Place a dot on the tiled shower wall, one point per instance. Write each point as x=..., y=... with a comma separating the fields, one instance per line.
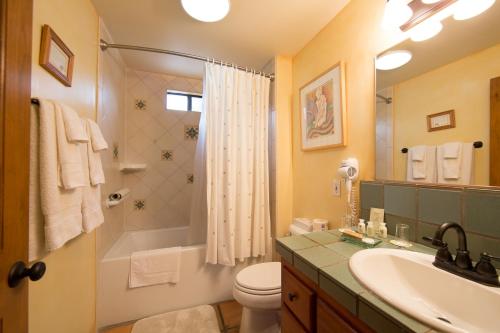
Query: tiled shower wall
x=111, y=119
x=165, y=140
x=424, y=208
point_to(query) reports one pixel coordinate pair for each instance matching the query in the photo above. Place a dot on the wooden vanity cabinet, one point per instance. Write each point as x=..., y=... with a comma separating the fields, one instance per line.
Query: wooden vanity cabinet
x=307, y=309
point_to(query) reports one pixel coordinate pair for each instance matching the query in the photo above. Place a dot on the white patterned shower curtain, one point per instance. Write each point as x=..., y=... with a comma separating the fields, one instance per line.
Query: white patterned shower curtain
x=235, y=128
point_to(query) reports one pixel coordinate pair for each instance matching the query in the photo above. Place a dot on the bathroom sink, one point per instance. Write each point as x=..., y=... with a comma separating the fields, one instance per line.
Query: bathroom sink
x=408, y=281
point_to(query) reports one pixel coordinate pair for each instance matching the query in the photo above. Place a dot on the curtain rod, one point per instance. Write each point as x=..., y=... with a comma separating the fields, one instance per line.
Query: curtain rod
x=105, y=45
x=475, y=144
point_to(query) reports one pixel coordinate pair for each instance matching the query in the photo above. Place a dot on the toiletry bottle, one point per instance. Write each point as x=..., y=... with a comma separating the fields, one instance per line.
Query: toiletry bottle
x=370, y=230
x=361, y=226
x=382, y=231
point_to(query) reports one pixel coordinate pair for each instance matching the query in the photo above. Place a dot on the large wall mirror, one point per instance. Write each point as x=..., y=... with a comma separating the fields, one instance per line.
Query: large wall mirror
x=434, y=113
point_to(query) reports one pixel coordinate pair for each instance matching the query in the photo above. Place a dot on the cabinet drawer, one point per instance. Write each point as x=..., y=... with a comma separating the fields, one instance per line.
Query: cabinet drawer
x=299, y=299
x=288, y=322
x=327, y=320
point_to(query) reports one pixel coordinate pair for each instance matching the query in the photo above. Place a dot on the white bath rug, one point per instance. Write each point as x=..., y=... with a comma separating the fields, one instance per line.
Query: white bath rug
x=201, y=319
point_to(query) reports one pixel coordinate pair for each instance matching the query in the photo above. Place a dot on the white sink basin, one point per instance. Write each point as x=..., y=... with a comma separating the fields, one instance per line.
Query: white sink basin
x=410, y=282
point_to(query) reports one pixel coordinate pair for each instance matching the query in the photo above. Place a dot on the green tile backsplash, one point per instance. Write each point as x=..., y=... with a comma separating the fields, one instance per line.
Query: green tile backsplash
x=482, y=212
x=425, y=207
x=400, y=201
x=439, y=206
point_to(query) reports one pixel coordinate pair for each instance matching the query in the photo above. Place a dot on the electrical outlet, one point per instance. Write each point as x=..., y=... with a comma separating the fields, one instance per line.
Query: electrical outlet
x=336, y=188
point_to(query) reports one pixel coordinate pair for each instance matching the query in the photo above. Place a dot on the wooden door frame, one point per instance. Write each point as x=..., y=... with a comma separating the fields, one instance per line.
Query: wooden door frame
x=16, y=20
x=495, y=132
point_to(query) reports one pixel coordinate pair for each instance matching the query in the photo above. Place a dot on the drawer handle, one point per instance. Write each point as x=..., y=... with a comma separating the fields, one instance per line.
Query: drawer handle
x=292, y=296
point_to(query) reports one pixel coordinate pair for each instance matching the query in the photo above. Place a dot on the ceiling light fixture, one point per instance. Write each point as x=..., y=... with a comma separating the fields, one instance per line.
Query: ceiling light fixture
x=466, y=9
x=206, y=10
x=392, y=59
x=426, y=31
x=397, y=12
x=427, y=2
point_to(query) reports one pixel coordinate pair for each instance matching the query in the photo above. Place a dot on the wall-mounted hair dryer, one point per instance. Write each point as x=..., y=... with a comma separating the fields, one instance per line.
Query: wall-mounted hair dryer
x=349, y=170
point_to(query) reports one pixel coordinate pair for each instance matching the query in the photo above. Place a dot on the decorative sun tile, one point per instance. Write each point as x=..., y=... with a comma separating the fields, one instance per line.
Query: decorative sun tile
x=139, y=204
x=141, y=104
x=167, y=155
x=191, y=132
x=116, y=152
x=190, y=178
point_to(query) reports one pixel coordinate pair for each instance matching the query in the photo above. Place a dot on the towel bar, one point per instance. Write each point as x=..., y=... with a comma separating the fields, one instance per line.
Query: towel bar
x=477, y=144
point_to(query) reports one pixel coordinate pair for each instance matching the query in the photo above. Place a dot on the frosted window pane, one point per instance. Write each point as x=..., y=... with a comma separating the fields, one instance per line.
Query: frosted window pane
x=177, y=102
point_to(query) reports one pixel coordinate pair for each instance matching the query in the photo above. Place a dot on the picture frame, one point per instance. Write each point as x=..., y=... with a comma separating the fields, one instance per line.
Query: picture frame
x=56, y=57
x=323, y=110
x=440, y=121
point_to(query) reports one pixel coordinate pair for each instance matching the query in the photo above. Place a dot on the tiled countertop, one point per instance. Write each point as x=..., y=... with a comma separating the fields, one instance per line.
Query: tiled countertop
x=324, y=258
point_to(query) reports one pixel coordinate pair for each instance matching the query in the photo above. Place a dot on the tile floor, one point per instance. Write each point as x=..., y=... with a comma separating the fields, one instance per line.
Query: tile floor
x=228, y=315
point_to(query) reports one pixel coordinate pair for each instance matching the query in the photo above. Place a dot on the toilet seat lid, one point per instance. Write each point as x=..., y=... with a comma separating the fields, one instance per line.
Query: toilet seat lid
x=265, y=276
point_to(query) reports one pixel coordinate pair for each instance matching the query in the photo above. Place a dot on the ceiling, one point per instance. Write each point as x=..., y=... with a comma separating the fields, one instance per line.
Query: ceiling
x=457, y=40
x=252, y=33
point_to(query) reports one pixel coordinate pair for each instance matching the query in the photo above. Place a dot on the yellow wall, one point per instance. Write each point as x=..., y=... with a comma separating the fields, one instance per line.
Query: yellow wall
x=284, y=172
x=64, y=300
x=354, y=36
x=464, y=86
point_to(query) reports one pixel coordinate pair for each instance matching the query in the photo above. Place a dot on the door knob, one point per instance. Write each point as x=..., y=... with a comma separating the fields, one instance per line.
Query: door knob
x=19, y=271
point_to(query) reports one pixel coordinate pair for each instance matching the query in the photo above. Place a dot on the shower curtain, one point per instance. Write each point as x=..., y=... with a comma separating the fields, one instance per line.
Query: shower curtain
x=235, y=119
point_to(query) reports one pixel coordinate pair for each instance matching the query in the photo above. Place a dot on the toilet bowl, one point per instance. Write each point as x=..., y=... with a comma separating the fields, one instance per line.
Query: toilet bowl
x=258, y=289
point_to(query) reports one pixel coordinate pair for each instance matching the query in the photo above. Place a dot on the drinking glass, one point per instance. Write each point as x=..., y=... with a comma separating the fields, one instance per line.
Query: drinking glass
x=403, y=233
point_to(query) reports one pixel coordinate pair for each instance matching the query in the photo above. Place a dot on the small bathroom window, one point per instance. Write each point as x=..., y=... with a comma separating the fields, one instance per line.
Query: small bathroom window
x=183, y=101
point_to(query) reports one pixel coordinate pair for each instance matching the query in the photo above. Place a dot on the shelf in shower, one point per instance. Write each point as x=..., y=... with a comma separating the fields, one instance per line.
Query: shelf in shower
x=132, y=167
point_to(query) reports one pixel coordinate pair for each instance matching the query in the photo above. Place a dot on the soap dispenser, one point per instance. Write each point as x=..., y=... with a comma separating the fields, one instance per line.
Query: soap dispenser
x=361, y=226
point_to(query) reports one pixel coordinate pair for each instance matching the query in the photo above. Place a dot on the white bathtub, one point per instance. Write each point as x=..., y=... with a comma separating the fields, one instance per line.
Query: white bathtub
x=200, y=283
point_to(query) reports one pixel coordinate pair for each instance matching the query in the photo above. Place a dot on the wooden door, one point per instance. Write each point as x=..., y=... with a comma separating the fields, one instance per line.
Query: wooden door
x=495, y=132
x=15, y=82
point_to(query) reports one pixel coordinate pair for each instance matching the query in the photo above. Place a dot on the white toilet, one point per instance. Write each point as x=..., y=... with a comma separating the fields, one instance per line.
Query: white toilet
x=258, y=289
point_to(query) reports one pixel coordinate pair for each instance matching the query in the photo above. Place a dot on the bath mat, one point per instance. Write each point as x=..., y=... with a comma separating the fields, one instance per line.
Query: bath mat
x=200, y=319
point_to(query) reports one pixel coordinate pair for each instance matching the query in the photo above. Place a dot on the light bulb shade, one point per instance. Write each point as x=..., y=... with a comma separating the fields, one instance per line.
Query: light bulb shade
x=393, y=59
x=397, y=13
x=466, y=9
x=427, y=2
x=206, y=10
x=426, y=31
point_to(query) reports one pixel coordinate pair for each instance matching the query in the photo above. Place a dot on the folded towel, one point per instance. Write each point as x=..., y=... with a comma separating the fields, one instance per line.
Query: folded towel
x=61, y=208
x=68, y=154
x=91, y=194
x=93, y=157
x=75, y=132
x=418, y=153
x=422, y=171
x=459, y=170
x=155, y=267
x=452, y=150
x=98, y=141
x=36, y=234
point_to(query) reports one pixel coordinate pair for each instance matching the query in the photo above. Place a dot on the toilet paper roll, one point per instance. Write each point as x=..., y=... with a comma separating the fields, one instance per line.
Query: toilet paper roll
x=294, y=230
x=116, y=196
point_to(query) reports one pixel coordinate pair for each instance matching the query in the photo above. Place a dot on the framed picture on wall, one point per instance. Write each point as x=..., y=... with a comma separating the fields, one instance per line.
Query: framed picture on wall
x=323, y=110
x=56, y=57
x=441, y=121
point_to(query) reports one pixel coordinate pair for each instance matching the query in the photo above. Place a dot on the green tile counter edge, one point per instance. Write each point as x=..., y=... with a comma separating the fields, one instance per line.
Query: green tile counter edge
x=336, y=279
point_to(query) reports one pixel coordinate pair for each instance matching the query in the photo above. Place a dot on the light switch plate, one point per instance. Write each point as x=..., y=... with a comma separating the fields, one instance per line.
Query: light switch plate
x=336, y=188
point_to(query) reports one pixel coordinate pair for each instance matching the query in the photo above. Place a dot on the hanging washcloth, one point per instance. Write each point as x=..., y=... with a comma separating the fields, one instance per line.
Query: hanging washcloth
x=452, y=160
x=98, y=141
x=421, y=164
x=458, y=167
x=96, y=172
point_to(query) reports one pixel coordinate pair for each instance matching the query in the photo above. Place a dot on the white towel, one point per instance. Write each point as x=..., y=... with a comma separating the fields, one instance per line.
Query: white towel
x=418, y=153
x=93, y=157
x=91, y=195
x=98, y=141
x=422, y=171
x=155, y=267
x=75, y=132
x=61, y=208
x=452, y=160
x=36, y=233
x=458, y=171
x=68, y=155
x=452, y=150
